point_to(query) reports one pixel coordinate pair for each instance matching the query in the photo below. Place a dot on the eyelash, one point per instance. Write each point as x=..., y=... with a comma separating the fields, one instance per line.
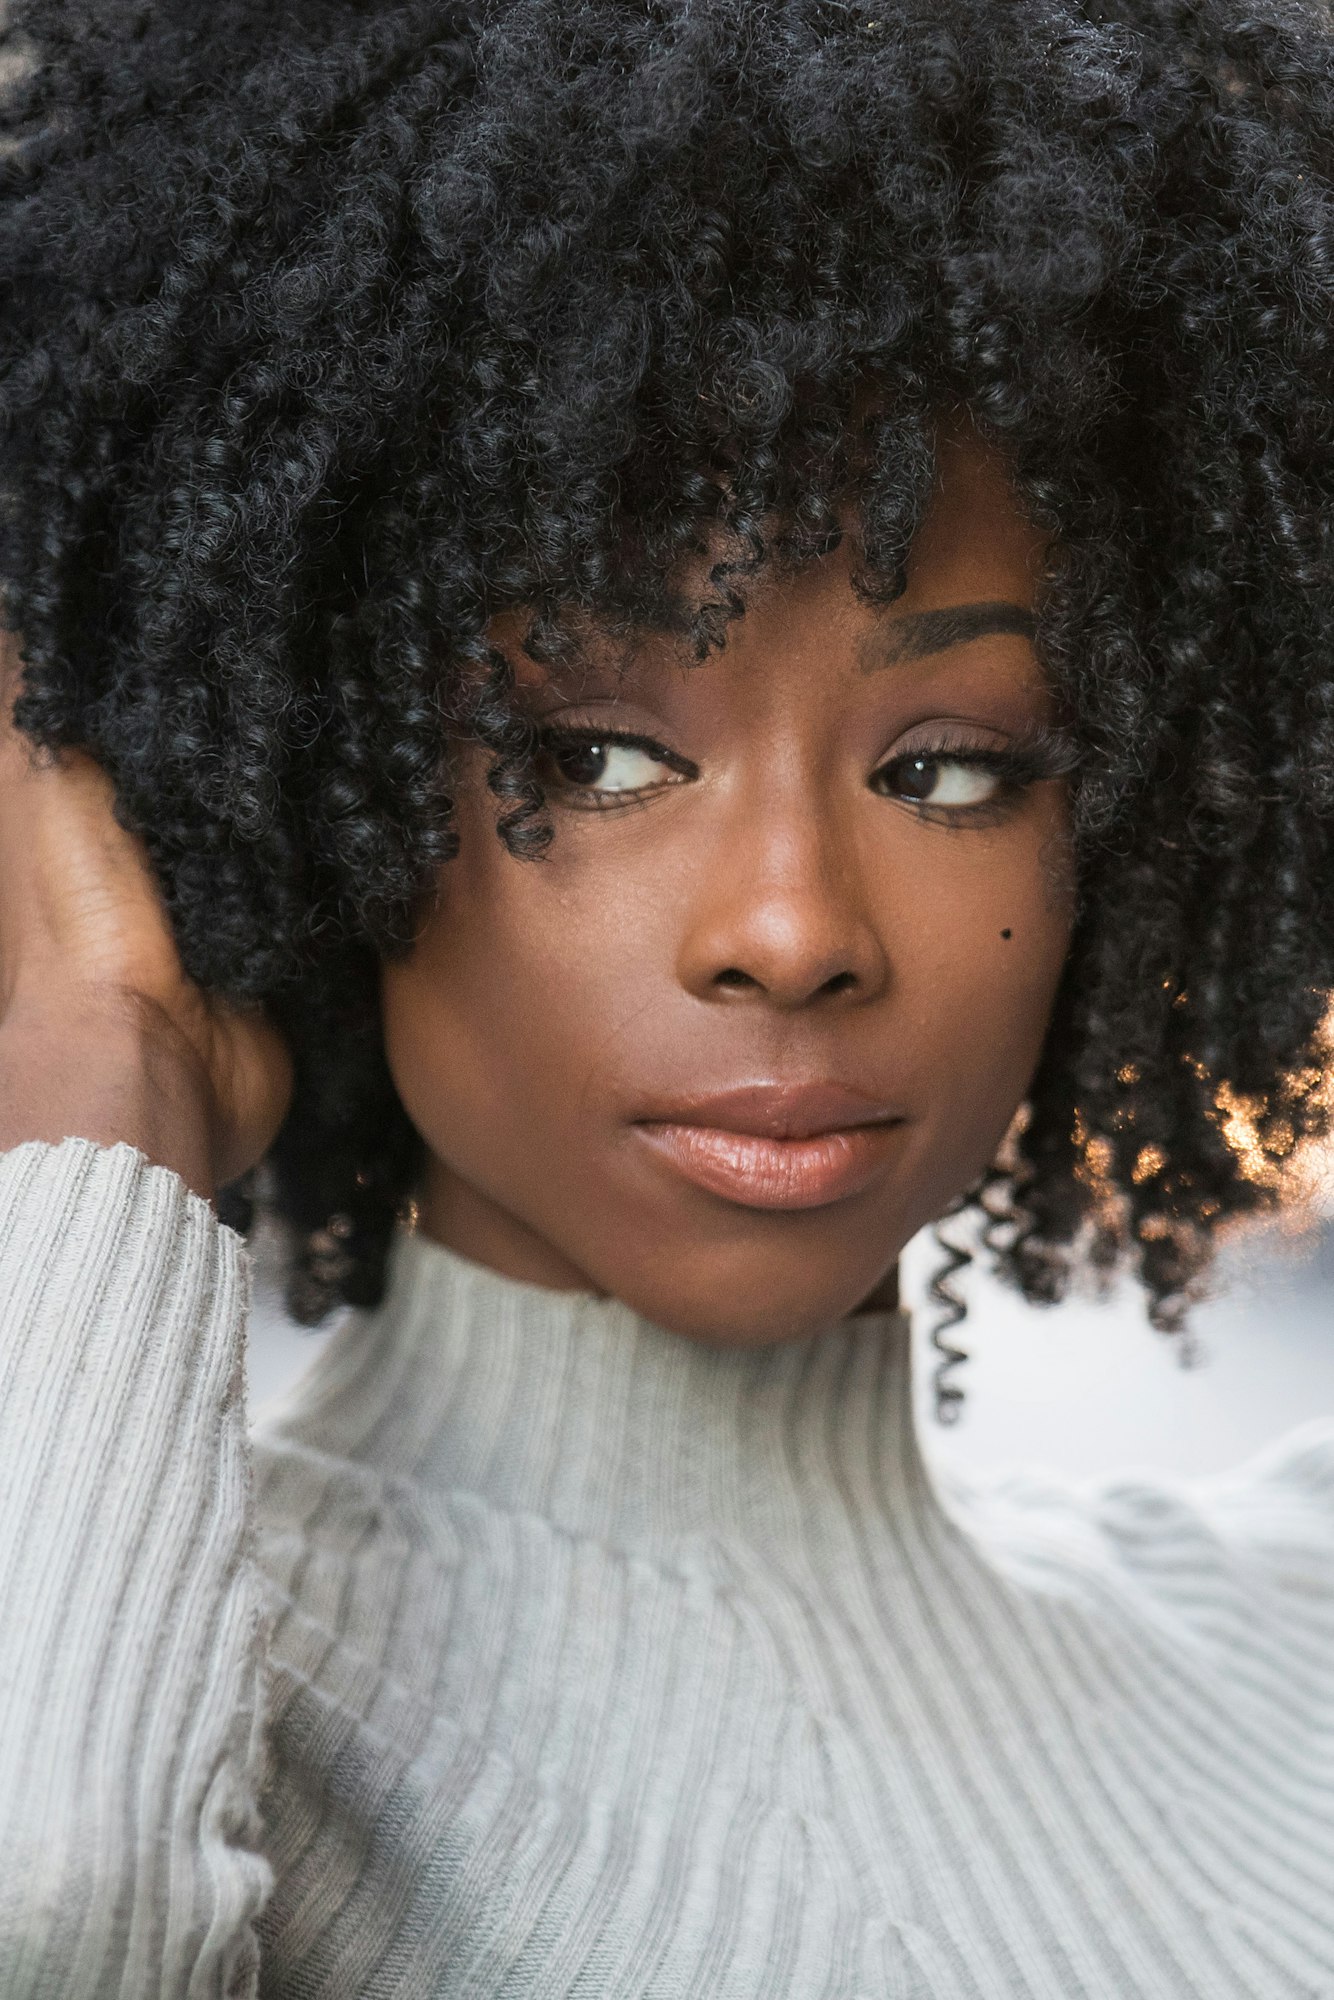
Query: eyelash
x=1028, y=760
x=1042, y=754
x=590, y=801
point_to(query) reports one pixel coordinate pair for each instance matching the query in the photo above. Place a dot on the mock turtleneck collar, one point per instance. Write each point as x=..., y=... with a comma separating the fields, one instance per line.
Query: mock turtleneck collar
x=575, y=1408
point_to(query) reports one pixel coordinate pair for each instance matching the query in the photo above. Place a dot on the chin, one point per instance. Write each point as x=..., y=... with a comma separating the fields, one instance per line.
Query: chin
x=763, y=1313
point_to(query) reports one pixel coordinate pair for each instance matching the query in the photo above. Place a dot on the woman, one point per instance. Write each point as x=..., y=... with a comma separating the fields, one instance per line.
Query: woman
x=671, y=640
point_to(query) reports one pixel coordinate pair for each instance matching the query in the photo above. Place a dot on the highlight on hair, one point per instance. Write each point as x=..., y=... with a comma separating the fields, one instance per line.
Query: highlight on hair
x=328, y=332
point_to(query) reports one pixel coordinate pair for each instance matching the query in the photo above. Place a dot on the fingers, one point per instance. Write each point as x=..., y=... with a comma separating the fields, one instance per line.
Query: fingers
x=79, y=903
x=84, y=929
x=22, y=764
x=20, y=759
x=11, y=679
x=65, y=798
x=11, y=668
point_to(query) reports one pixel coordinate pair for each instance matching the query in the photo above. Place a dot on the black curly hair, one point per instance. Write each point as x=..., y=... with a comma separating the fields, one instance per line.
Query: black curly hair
x=330, y=330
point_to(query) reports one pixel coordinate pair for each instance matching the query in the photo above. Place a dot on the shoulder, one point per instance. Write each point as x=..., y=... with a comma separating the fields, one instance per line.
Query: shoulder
x=1249, y=1550
x=1276, y=1514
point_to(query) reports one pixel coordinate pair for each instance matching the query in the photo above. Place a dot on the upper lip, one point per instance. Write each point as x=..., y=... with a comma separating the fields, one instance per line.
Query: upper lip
x=777, y=1110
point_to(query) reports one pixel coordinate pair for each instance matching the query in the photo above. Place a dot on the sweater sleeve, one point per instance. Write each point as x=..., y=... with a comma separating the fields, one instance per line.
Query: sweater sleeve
x=131, y=1640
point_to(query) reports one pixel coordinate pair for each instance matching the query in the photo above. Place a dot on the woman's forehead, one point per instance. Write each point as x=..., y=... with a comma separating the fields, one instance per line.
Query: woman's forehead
x=974, y=570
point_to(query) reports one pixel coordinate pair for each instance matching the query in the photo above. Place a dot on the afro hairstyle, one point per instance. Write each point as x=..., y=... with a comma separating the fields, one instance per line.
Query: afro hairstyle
x=330, y=331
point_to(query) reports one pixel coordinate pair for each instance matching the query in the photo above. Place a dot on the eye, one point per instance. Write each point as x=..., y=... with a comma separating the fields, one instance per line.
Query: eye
x=932, y=779
x=609, y=766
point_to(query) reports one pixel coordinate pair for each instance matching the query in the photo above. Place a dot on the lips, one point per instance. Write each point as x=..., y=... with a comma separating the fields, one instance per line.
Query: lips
x=777, y=1146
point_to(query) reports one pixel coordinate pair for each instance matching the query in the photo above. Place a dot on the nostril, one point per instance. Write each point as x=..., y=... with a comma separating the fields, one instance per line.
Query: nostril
x=839, y=983
x=732, y=975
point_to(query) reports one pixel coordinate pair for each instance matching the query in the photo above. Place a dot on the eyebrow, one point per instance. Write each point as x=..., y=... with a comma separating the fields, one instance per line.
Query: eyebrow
x=899, y=640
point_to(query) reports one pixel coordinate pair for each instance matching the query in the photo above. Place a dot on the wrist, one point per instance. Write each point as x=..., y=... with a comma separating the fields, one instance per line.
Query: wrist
x=110, y=1071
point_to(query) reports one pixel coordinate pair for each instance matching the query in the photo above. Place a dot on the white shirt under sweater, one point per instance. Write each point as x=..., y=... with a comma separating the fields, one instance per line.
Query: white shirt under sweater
x=536, y=1652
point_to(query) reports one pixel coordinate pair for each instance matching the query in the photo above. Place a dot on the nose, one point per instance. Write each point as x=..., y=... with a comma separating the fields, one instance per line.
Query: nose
x=782, y=914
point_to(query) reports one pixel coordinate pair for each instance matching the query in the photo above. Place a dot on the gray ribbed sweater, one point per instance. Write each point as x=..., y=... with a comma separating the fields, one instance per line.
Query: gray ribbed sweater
x=554, y=1655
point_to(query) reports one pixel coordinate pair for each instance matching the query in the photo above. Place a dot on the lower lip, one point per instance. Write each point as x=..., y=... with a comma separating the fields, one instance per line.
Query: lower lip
x=775, y=1173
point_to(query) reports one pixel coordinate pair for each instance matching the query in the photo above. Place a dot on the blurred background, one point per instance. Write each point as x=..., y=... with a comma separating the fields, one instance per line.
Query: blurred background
x=1088, y=1387
x=1085, y=1387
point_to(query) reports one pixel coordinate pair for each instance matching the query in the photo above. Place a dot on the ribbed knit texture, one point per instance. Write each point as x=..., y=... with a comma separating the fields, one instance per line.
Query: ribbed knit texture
x=603, y=1664
x=130, y=1642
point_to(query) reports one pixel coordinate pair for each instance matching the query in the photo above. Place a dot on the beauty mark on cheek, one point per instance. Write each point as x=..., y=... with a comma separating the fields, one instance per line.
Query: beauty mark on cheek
x=1007, y=934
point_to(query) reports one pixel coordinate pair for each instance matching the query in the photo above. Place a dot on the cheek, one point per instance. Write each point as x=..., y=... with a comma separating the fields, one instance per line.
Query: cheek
x=978, y=988
x=463, y=1039
x=492, y=1025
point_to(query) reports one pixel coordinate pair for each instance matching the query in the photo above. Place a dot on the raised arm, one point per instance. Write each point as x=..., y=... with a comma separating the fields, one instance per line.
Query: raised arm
x=131, y=1645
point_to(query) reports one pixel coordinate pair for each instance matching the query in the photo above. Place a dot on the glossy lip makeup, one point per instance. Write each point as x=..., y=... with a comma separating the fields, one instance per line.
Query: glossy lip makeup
x=777, y=1146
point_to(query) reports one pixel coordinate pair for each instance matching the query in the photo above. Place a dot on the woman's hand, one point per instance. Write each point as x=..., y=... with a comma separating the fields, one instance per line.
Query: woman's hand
x=102, y=1036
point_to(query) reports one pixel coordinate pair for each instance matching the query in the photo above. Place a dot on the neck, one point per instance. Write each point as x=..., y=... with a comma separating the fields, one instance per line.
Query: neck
x=574, y=1408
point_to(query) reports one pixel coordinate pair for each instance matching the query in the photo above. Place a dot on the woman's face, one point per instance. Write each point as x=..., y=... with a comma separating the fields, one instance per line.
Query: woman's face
x=774, y=993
